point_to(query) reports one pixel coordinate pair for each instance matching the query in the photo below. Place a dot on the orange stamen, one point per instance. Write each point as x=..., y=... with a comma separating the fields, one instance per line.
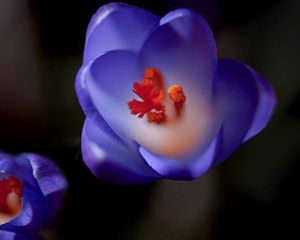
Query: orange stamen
x=178, y=97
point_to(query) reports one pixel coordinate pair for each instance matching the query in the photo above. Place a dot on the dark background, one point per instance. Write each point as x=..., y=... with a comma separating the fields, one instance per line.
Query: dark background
x=253, y=195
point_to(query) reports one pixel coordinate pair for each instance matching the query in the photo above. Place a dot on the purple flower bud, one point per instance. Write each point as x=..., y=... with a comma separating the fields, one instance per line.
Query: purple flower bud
x=158, y=101
x=32, y=191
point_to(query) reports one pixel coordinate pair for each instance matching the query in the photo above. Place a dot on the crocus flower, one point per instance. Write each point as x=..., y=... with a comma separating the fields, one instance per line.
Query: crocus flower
x=32, y=190
x=158, y=102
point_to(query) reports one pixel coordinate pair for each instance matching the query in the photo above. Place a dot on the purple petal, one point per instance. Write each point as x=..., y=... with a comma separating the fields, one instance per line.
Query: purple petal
x=114, y=73
x=117, y=26
x=183, y=48
x=236, y=98
x=85, y=100
x=18, y=166
x=43, y=190
x=33, y=216
x=109, y=84
x=109, y=160
x=265, y=107
x=182, y=169
x=7, y=235
x=51, y=181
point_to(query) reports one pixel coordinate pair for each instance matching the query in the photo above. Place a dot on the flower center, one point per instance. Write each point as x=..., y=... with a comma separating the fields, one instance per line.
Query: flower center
x=152, y=94
x=10, y=197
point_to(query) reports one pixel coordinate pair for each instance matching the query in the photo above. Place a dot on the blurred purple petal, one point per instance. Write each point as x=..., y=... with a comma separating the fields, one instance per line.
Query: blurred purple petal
x=43, y=192
x=34, y=214
x=265, y=107
x=18, y=166
x=7, y=235
x=51, y=181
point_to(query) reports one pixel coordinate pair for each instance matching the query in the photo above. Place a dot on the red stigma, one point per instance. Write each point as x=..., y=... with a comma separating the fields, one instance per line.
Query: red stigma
x=151, y=92
x=152, y=98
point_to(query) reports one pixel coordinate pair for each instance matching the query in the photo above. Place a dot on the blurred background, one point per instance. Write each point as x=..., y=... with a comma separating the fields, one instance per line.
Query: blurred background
x=253, y=195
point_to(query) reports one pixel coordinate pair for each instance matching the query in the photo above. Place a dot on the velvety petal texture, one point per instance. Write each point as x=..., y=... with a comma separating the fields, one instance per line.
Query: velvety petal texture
x=227, y=102
x=43, y=192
